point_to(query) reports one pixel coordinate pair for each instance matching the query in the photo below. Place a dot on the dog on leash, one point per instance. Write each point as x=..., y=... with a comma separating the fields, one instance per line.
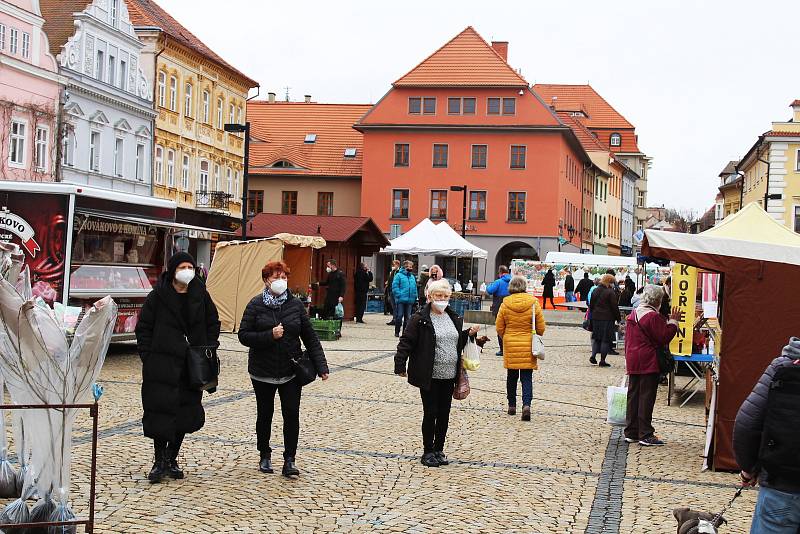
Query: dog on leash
x=481, y=341
x=694, y=522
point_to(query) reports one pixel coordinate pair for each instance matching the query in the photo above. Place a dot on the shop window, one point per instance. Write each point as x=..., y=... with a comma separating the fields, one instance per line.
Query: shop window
x=439, y=204
x=401, y=153
x=516, y=206
x=477, y=205
x=479, y=156
x=325, y=203
x=289, y=202
x=400, y=200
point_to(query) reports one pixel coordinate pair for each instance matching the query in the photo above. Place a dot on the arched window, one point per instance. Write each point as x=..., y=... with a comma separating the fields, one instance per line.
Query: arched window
x=162, y=88
x=187, y=100
x=173, y=93
x=616, y=139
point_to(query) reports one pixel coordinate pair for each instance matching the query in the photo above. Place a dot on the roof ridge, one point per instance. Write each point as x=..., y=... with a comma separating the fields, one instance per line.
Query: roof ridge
x=459, y=34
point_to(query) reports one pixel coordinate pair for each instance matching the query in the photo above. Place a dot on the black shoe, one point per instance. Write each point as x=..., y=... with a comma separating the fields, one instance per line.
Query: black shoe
x=429, y=460
x=390, y=323
x=172, y=470
x=360, y=321
x=396, y=334
x=441, y=458
x=265, y=465
x=593, y=360
x=614, y=353
x=158, y=472
x=526, y=413
x=512, y=410
x=604, y=364
x=289, y=469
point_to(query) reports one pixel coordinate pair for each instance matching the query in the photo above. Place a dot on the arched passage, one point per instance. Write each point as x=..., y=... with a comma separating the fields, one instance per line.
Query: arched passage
x=516, y=250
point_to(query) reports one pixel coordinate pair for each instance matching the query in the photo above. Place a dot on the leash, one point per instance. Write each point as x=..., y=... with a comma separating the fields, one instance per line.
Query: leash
x=717, y=520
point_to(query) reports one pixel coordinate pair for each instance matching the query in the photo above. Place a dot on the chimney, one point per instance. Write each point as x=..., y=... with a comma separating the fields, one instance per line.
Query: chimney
x=796, y=111
x=308, y=99
x=271, y=98
x=501, y=47
x=553, y=102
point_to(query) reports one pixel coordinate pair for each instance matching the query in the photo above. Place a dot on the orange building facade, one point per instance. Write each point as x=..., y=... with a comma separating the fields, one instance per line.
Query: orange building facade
x=464, y=117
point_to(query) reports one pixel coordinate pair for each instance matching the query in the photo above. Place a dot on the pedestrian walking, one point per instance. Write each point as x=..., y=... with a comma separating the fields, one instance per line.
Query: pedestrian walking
x=765, y=437
x=337, y=285
x=388, y=297
x=604, y=311
x=515, y=320
x=626, y=297
x=362, y=278
x=435, y=273
x=569, y=287
x=549, y=283
x=646, y=330
x=178, y=313
x=584, y=286
x=499, y=290
x=404, y=289
x=422, y=283
x=273, y=324
x=429, y=354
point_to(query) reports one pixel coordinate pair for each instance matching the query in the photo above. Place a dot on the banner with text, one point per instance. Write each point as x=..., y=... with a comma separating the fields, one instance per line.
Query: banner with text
x=684, y=295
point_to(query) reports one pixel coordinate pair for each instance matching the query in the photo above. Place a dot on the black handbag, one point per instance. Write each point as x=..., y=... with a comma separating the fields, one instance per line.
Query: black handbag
x=304, y=370
x=203, y=368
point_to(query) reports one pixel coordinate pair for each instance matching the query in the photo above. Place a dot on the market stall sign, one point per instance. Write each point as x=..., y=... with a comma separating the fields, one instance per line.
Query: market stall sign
x=11, y=222
x=684, y=294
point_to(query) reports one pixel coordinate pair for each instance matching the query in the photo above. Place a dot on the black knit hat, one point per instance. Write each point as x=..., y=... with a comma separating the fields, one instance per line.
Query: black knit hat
x=177, y=259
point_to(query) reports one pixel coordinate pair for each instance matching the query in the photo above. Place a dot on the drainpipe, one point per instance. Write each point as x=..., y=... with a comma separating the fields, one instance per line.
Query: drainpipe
x=155, y=108
x=767, y=196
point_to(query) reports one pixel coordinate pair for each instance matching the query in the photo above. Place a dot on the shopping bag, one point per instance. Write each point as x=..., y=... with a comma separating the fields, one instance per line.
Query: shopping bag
x=537, y=343
x=617, y=397
x=339, y=312
x=461, y=390
x=471, y=359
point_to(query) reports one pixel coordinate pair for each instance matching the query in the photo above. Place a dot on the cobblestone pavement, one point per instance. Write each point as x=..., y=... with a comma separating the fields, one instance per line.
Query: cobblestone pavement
x=565, y=471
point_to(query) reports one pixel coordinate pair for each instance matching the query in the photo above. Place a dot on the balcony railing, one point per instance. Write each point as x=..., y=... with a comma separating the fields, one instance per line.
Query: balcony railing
x=214, y=200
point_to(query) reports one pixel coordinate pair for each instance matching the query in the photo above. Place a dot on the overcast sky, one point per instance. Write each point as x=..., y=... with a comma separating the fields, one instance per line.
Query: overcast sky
x=700, y=80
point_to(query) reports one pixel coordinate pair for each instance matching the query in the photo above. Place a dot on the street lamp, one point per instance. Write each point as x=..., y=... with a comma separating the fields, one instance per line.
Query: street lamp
x=570, y=232
x=464, y=208
x=245, y=129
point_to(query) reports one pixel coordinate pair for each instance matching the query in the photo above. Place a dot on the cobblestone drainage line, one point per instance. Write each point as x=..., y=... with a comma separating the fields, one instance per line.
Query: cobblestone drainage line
x=606, y=513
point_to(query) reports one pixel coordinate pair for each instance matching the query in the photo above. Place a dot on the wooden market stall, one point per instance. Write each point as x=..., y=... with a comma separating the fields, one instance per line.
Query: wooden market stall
x=759, y=260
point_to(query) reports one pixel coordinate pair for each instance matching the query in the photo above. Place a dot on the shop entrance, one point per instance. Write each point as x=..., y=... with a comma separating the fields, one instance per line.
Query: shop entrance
x=516, y=250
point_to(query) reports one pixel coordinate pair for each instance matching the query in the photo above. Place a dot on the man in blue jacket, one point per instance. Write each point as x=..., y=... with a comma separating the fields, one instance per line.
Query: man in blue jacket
x=404, y=290
x=499, y=290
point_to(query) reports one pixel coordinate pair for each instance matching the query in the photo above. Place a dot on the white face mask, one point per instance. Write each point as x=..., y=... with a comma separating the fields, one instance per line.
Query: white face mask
x=278, y=286
x=328, y=269
x=440, y=305
x=184, y=276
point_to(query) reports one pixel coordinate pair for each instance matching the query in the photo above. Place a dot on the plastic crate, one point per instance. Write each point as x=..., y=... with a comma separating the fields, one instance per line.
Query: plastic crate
x=328, y=335
x=327, y=329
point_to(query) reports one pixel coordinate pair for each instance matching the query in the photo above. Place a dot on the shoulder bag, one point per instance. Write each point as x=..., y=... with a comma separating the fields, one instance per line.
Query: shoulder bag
x=304, y=370
x=537, y=343
x=203, y=367
x=666, y=361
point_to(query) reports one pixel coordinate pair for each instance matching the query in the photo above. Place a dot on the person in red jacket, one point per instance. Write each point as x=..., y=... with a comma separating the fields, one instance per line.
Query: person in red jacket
x=646, y=330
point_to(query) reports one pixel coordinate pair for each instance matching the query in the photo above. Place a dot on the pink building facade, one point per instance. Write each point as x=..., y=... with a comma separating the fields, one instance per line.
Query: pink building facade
x=30, y=89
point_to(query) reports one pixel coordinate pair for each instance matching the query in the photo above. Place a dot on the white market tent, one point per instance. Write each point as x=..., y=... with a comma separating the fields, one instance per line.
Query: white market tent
x=572, y=258
x=429, y=239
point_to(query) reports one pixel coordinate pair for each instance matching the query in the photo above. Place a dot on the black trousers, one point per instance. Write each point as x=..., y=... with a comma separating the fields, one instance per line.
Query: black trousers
x=436, y=404
x=169, y=448
x=290, y=409
x=642, y=390
x=361, y=305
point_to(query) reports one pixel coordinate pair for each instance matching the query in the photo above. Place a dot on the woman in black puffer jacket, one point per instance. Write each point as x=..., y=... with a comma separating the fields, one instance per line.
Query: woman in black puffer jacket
x=272, y=326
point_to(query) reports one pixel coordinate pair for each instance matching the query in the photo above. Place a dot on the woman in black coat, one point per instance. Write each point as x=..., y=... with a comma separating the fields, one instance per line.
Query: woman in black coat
x=432, y=345
x=549, y=283
x=177, y=314
x=272, y=326
x=604, y=311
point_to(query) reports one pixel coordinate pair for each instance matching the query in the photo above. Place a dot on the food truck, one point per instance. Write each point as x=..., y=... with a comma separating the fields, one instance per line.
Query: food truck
x=82, y=243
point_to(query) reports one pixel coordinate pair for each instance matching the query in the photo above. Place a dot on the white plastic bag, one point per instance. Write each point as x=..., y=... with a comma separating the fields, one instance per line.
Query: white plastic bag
x=483, y=287
x=471, y=359
x=617, y=397
x=457, y=286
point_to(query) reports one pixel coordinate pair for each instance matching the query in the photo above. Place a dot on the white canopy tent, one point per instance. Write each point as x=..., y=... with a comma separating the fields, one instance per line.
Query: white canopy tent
x=430, y=239
x=572, y=258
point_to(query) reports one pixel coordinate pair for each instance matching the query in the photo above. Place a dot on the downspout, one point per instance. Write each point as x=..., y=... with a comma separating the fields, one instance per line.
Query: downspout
x=155, y=108
x=766, y=191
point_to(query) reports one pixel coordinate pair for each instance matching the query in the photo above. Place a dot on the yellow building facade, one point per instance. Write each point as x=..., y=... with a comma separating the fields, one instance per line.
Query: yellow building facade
x=195, y=162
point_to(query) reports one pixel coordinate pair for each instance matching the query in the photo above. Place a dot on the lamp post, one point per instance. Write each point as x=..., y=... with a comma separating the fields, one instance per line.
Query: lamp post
x=245, y=129
x=464, y=208
x=570, y=232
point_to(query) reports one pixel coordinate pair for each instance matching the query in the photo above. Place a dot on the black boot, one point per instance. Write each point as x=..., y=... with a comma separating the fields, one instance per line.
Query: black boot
x=158, y=471
x=289, y=469
x=171, y=468
x=265, y=465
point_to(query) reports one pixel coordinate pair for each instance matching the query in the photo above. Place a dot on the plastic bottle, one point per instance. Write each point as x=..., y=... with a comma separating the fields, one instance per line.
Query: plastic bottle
x=711, y=345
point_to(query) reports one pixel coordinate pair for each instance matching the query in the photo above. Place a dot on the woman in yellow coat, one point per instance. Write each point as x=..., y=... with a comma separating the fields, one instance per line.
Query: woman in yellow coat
x=515, y=325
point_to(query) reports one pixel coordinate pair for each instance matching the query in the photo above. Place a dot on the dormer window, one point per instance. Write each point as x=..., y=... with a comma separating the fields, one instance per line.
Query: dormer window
x=616, y=139
x=349, y=152
x=282, y=164
x=310, y=138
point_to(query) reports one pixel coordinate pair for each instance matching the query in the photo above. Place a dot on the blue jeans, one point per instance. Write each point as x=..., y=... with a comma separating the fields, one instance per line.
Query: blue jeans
x=526, y=376
x=402, y=314
x=777, y=512
x=569, y=296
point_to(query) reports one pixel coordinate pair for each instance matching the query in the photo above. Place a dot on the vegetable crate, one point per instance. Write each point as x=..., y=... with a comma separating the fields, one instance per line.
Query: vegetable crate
x=327, y=329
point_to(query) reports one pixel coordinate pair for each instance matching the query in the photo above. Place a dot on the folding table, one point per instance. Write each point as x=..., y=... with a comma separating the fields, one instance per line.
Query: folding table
x=697, y=364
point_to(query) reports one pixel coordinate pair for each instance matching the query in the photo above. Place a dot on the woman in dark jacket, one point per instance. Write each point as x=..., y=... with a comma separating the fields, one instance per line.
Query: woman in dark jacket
x=604, y=310
x=549, y=283
x=272, y=326
x=432, y=346
x=177, y=314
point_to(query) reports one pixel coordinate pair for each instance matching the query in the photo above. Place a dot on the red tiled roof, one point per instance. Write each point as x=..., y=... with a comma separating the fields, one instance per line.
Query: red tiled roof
x=575, y=97
x=778, y=133
x=587, y=140
x=278, y=131
x=331, y=228
x=465, y=60
x=148, y=13
x=58, y=22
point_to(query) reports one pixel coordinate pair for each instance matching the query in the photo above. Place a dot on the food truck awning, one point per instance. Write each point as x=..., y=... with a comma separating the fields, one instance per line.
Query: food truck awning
x=152, y=222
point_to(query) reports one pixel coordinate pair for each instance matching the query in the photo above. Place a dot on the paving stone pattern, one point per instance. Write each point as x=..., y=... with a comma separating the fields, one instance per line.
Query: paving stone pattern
x=565, y=471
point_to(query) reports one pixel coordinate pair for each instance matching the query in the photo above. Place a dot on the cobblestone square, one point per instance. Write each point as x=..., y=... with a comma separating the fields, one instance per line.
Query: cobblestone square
x=565, y=471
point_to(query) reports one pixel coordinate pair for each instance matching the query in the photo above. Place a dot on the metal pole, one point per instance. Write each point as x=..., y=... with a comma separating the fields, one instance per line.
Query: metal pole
x=244, y=178
x=464, y=217
x=92, y=483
